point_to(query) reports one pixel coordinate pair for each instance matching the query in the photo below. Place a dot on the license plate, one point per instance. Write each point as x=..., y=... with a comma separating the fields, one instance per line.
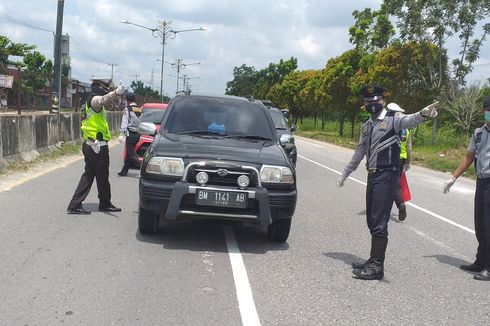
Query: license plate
x=221, y=198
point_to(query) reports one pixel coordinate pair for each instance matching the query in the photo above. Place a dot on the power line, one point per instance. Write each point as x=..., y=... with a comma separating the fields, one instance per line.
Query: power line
x=4, y=16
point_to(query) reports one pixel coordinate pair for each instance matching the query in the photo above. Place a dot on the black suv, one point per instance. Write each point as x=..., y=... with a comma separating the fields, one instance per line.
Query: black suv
x=283, y=130
x=216, y=157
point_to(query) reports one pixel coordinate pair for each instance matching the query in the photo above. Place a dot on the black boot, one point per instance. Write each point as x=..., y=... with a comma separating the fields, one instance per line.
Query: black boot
x=373, y=268
x=362, y=264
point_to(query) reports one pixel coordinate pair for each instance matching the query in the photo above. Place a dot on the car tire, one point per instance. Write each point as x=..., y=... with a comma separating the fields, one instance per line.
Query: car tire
x=278, y=231
x=147, y=221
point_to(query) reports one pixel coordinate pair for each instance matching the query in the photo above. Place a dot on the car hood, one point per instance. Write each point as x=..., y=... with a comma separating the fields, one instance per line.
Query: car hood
x=193, y=147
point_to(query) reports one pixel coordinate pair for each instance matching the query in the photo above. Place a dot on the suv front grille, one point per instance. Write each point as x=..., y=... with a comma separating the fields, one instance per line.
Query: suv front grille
x=222, y=173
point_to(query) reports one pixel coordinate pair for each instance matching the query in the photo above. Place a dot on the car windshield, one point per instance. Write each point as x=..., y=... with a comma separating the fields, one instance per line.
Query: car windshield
x=152, y=115
x=228, y=117
x=279, y=119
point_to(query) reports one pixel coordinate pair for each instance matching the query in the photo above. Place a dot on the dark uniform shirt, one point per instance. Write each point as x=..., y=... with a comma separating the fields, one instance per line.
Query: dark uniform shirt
x=380, y=143
x=480, y=145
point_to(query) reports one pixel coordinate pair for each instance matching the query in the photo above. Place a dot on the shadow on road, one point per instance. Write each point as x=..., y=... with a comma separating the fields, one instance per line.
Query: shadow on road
x=448, y=260
x=345, y=257
x=208, y=235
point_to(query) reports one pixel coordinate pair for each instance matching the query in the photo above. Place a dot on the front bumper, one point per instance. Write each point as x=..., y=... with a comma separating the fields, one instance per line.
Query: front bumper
x=175, y=200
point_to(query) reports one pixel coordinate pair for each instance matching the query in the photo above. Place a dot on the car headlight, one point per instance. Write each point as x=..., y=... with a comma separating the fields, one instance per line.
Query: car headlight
x=285, y=139
x=276, y=174
x=170, y=166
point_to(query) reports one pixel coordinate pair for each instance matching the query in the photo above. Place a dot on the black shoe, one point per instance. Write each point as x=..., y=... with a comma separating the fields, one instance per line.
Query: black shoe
x=472, y=268
x=78, y=210
x=360, y=264
x=372, y=271
x=121, y=174
x=402, y=212
x=484, y=275
x=109, y=208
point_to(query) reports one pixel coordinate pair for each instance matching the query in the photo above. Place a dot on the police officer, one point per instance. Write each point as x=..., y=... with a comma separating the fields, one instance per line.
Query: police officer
x=129, y=126
x=96, y=135
x=380, y=144
x=405, y=157
x=479, y=152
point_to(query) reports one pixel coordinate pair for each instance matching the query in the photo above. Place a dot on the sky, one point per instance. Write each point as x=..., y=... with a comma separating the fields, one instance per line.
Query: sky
x=252, y=32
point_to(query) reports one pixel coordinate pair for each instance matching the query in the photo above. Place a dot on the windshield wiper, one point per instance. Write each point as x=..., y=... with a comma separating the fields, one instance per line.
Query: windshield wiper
x=251, y=137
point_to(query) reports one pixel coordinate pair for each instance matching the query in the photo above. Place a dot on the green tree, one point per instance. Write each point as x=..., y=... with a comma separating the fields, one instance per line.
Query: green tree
x=146, y=94
x=9, y=48
x=38, y=71
x=371, y=31
x=243, y=83
x=434, y=22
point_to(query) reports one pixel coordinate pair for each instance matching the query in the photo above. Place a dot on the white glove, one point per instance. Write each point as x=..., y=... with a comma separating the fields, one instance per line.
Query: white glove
x=406, y=167
x=121, y=138
x=121, y=89
x=429, y=111
x=95, y=147
x=448, y=184
x=340, y=181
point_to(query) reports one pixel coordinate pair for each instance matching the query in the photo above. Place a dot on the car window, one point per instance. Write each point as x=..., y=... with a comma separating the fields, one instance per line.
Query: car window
x=279, y=119
x=223, y=116
x=152, y=115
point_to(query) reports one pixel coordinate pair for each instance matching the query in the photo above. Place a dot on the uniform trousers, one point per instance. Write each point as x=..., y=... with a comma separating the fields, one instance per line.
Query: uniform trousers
x=482, y=221
x=131, y=158
x=96, y=166
x=380, y=193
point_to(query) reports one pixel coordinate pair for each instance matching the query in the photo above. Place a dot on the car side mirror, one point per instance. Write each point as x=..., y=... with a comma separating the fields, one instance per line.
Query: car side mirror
x=293, y=127
x=147, y=128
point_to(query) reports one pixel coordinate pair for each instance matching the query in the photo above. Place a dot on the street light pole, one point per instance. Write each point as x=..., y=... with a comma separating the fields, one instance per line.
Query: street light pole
x=163, y=31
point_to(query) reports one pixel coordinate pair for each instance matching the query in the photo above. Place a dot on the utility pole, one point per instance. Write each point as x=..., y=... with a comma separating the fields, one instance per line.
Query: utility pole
x=112, y=69
x=151, y=80
x=57, y=61
x=179, y=63
x=135, y=76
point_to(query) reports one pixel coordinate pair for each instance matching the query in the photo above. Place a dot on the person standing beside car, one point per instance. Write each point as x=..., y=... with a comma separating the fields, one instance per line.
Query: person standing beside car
x=96, y=135
x=129, y=125
x=479, y=152
x=380, y=144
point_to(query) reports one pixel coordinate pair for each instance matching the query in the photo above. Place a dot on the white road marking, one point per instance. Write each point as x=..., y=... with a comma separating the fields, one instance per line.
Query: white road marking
x=462, y=227
x=244, y=295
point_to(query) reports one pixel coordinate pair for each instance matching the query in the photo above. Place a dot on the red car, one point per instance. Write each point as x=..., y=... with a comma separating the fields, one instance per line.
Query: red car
x=150, y=112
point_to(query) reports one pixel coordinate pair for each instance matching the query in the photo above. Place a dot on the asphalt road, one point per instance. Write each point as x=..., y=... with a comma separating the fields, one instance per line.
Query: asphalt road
x=98, y=270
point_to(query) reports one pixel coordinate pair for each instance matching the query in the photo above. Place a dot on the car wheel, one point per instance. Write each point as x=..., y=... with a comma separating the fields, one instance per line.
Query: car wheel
x=279, y=230
x=147, y=221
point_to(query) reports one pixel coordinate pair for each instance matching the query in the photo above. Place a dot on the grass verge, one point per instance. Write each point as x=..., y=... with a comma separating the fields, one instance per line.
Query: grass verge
x=444, y=156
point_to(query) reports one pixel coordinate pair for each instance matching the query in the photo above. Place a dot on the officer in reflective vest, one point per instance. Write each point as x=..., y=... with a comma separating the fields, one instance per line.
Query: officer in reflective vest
x=96, y=134
x=405, y=157
x=379, y=143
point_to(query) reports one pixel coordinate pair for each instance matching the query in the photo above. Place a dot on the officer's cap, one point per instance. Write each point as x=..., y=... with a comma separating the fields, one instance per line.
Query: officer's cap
x=105, y=81
x=372, y=92
x=486, y=103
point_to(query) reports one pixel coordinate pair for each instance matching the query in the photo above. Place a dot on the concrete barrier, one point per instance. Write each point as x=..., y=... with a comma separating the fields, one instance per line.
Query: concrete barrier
x=24, y=136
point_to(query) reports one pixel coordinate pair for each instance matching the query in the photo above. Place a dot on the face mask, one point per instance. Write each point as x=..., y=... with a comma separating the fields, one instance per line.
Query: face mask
x=487, y=116
x=374, y=108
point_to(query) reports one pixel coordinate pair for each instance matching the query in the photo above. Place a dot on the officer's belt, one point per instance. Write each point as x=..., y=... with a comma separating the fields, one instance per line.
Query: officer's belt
x=100, y=142
x=372, y=171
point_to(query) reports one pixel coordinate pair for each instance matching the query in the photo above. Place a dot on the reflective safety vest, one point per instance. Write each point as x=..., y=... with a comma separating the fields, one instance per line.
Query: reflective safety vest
x=96, y=122
x=404, y=137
